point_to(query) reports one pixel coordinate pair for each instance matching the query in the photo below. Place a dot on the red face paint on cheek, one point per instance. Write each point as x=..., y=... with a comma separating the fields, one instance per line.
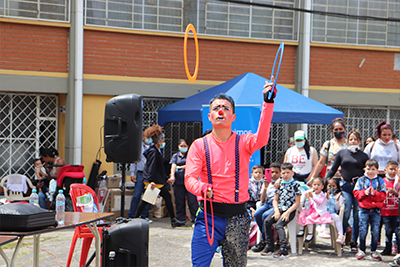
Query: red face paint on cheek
x=220, y=112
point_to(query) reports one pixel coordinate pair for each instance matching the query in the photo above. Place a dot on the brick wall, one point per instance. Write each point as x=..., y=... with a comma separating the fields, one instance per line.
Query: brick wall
x=340, y=67
x=162, y=57
x=33, y=48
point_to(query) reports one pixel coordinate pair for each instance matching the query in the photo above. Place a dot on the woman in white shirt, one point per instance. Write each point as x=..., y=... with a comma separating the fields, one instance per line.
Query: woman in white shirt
x=302, y=156
x=384, y=149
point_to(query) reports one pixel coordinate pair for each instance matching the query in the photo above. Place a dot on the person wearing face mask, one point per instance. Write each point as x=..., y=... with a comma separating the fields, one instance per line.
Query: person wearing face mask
x=302, y=156
x=330, y=148
x=384, y=149
x=136, y=170
x=390, y=209
x=178, y=165
x=154, y=174
x=352, y=161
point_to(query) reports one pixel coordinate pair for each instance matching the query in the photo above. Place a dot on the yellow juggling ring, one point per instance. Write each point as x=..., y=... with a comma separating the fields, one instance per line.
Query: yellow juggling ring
x=189, y=28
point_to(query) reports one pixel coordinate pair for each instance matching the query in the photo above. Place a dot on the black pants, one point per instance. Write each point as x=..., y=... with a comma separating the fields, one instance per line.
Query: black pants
x=279, y=227
x=165, y=195
x=180, y=194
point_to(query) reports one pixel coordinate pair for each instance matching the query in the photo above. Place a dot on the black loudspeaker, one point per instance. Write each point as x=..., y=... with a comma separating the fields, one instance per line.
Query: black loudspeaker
x=123, y=128
x=126, y=243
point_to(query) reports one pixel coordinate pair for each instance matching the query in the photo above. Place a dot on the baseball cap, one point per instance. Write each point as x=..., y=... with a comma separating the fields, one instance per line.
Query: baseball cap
x=299, y=135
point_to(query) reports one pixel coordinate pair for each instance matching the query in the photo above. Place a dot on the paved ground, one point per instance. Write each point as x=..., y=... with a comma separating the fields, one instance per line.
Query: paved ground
x=171, y=248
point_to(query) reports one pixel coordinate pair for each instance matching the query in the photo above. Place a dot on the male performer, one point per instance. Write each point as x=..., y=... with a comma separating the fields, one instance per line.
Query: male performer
x=221, y=160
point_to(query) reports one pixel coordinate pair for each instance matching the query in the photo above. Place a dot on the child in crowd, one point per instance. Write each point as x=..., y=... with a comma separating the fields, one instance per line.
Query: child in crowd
x=40, y=172
x=390, y=209
x=333, y=190
x=267, y=196
x=41, y=176
x=255, y=187
x=370, y=191
x=317, y=214
x=285, y=203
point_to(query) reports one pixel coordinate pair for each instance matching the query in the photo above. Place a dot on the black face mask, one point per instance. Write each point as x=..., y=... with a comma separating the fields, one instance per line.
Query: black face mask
x=339, y=135
x=332, y=190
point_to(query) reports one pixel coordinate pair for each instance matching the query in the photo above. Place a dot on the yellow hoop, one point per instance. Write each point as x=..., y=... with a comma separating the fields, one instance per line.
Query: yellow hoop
x=189, y=28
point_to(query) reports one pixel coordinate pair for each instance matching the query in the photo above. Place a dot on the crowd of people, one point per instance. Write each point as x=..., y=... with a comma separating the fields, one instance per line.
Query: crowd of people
x=211, y=175
x=364, y=179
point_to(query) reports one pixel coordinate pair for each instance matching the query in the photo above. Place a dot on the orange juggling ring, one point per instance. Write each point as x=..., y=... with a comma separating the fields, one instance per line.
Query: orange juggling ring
x=189, y=28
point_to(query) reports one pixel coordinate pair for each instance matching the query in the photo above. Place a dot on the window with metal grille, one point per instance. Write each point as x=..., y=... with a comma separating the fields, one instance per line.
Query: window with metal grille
x=231, y=19
x=351, y=31
x=53, y=10
x=163, y=15
x=210, y=17
x=27, y=122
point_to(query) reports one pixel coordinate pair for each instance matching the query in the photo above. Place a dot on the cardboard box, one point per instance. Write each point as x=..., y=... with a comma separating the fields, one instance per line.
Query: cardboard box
x=112, y=200
x=113, y=181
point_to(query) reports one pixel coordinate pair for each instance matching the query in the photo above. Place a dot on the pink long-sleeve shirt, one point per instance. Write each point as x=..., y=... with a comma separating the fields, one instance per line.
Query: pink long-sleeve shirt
x=222, y=158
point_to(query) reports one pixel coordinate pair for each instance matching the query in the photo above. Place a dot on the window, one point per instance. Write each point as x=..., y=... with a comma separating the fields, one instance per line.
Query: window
x=27, y=122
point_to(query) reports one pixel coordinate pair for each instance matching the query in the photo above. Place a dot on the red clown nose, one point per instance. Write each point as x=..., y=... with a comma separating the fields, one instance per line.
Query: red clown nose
x=220, y=112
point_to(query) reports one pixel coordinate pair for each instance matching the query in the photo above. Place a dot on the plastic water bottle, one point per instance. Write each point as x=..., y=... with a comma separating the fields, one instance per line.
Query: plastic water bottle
x=102, y=188
x=34, y=198
x=331, y=204
x=60, y=208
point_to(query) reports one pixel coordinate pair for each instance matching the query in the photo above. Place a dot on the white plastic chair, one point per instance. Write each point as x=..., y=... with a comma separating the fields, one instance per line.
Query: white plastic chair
x=15, y=186
x=292, y=230
x=336, y=246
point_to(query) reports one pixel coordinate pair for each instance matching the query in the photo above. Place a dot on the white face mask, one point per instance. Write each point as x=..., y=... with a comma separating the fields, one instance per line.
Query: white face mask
x=390, y=178
x=353, y=149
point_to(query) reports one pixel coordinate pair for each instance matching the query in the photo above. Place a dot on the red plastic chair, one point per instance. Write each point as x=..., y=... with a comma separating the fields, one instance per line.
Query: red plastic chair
x=82, y=231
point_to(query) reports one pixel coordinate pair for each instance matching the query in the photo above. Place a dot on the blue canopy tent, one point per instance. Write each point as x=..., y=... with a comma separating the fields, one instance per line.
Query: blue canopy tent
x=246, y=89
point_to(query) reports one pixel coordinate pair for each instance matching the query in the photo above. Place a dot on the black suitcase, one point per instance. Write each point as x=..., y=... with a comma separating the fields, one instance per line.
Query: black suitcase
x=126, y=243
x=20, y=217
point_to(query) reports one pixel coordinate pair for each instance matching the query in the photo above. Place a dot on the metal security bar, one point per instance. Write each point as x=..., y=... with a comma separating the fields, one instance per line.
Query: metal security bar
x=48, y=10
x=351, y=31
x=163, y=15
x=27, y=122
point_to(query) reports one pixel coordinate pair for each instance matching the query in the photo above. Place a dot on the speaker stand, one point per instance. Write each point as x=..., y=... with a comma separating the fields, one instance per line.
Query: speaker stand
x=123, y=190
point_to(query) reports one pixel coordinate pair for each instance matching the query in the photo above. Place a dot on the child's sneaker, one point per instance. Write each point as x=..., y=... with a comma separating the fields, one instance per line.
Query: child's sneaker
x=340, y=239
x=324, y=234
x=281, y=253
x=386, y=252
x=267, y=251
x=394, y=250
x=376, y=256
x=353, y=246
x=360, y=255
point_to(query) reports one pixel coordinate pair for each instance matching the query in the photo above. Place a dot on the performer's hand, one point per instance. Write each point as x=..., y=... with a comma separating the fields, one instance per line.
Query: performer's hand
x=207, y=188
x=152, y=185
x=267, y=88
x=133, y=179
x=210, y=193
